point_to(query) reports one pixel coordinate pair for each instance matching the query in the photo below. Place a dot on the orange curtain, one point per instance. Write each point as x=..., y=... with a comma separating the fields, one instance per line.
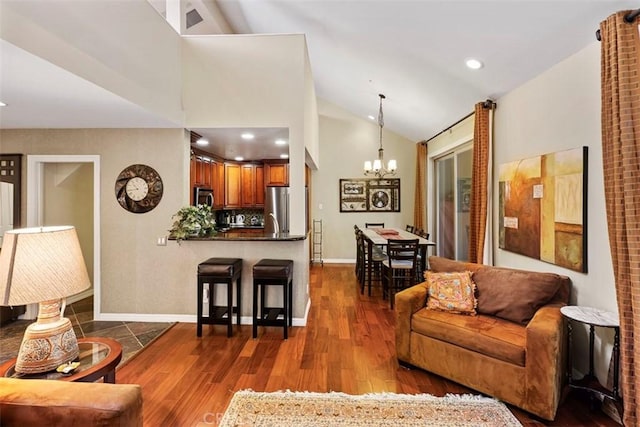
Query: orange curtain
x=480, y=183
x=620, y=74
x=420, y=206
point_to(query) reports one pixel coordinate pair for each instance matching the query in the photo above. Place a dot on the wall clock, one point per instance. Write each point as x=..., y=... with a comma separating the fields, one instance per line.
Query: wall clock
x=139, y=188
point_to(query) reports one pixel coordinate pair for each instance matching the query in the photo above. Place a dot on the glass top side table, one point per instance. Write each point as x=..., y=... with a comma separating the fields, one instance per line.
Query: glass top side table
x=98, y=359
x=604, y=319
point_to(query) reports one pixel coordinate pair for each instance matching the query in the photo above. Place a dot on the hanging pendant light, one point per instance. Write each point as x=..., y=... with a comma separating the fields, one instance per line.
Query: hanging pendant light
x=377, y=168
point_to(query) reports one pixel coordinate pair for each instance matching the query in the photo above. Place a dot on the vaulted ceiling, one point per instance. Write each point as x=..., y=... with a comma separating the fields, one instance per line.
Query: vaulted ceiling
x=412, y=51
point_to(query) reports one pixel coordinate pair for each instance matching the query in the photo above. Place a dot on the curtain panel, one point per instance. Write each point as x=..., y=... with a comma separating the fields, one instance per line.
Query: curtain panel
x=620, y=74
x=420, y=205
x=478, y=212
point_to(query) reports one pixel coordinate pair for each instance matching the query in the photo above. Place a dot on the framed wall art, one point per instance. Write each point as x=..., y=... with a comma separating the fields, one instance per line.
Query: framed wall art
x=370, y=195
x=543, y=208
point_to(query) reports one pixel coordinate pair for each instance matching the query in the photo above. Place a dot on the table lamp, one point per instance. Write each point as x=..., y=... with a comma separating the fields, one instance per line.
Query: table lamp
x=43, y=265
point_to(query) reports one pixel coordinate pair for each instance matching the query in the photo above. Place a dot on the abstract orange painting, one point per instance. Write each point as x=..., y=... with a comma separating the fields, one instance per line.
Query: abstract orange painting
x=543, y=208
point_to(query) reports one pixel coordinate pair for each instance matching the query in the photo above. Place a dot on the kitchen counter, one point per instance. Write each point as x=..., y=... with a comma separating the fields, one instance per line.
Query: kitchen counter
x=249, y=245
x=256, y=236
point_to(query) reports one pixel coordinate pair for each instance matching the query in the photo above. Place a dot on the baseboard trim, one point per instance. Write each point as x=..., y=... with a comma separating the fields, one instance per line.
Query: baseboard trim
x=183, y=318
x=339, y=261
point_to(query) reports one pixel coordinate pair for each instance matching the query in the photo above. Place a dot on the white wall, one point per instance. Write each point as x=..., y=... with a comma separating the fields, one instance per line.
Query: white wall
x=136, y=275
x=346, y=141
x=559, y=110
x=252, y=81
x=122, y=46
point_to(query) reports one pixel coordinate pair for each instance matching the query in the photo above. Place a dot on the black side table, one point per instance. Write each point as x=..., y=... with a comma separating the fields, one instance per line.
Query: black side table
x=604, y=319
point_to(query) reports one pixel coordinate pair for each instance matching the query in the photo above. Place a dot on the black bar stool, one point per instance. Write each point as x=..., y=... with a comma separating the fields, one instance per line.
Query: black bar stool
x=219, y=271
x=273, y=272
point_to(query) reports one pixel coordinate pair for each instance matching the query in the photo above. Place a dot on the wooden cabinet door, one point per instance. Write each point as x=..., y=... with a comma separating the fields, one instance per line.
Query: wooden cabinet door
x=218, y=184
x=259, y=186
x=276, y=174
x=248, y=186
x=233, y=185
x=206, y=173
x=199, y=172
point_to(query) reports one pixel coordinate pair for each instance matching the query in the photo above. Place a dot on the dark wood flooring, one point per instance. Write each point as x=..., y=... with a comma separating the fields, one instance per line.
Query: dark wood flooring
x=348, y=345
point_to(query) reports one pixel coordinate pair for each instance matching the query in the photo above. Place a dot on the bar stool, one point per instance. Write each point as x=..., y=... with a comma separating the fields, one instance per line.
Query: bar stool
x=216, y=271
x=273, y=272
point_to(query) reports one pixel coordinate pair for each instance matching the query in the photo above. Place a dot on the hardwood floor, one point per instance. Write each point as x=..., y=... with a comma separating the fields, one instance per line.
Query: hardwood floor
x=348, y=345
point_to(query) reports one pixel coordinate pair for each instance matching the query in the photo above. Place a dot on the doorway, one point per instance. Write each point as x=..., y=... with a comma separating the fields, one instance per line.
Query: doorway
x=452, y=197
x=65, y=190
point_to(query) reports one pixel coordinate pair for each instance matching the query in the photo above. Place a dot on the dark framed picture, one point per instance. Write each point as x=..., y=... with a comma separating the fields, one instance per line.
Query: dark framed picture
x=353, y=195
x=370, y=195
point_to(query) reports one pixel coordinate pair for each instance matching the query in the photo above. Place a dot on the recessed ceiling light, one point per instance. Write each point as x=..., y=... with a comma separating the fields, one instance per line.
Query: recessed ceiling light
x=280, y=142
x=239, y=159
x=284, y=156
x=371, y=117
x=474, y=64
x=202, y=141
x=247, y=135
x=2, y=104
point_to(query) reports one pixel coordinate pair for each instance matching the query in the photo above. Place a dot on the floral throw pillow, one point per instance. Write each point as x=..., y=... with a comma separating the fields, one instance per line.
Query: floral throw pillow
x=453, y=292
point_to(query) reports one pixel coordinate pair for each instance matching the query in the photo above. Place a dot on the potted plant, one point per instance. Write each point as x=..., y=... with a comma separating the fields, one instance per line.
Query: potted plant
x=192, y=221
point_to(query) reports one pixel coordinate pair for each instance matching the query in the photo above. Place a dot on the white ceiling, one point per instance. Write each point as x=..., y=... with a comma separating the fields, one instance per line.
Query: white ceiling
x=228, y=142
x=412, y=51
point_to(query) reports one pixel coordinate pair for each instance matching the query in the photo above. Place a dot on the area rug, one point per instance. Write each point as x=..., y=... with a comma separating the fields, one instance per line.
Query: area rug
x=304, y=409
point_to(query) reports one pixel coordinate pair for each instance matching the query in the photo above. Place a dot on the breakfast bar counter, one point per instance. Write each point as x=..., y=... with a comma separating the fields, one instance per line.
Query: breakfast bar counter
x=251, y=246
x=234, y=235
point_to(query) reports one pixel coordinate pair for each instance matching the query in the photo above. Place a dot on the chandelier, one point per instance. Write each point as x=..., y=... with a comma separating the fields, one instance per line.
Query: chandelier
x=378, y=168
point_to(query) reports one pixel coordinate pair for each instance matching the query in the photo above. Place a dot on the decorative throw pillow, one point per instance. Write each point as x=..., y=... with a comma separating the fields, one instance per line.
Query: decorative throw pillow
x=453, y=292
x=514, y=295
x=445, y=265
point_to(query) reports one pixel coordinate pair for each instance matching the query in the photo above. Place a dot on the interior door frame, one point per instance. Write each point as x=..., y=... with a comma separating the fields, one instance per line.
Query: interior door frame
x=35, y=196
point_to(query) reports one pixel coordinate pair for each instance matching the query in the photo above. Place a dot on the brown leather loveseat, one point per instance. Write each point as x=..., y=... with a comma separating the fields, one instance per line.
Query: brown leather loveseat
x=514, y=347
x=27, y=402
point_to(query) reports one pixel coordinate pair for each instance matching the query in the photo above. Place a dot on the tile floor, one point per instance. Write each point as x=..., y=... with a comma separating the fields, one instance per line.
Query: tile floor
x=133, y=336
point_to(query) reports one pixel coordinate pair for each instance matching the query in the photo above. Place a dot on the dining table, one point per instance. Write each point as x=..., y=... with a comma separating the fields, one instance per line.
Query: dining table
x=380, y=237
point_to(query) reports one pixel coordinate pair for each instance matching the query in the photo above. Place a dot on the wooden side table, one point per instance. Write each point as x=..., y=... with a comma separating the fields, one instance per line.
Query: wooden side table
x=98, y=359
x=604, y=319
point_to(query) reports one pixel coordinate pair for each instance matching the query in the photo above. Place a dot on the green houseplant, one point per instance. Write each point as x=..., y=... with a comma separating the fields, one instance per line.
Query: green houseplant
x=192, y=221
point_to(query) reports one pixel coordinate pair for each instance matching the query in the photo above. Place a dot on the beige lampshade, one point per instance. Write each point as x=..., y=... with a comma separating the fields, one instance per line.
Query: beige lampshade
x=41, y=264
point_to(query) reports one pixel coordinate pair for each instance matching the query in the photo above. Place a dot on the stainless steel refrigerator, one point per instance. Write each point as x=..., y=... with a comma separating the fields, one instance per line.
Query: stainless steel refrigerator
x=276, y=210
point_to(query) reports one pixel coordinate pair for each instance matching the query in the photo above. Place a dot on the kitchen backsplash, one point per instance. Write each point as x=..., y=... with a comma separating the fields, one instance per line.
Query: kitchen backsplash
x=247, y=217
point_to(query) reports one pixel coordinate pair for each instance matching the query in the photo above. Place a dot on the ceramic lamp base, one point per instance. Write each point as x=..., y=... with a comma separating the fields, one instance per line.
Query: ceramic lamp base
x=48, y=343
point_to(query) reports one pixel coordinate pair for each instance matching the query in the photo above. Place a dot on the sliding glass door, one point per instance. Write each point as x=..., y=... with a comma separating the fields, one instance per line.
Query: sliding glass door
x=453, y=191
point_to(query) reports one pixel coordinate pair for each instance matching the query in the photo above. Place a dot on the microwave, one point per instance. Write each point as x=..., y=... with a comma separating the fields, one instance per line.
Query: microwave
x=203, y=196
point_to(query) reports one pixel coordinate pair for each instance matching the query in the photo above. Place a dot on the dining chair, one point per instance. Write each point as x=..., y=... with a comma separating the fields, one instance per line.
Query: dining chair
x=358, y=268
x=400, y=266
x=371, y=266
x=374, y=224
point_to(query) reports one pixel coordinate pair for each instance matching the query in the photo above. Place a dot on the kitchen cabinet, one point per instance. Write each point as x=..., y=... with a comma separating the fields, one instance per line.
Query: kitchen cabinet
x=252, y=185
x=276, y=174
x=233, y=185
x=217, y=184
x=208, y=173
x=202, y=175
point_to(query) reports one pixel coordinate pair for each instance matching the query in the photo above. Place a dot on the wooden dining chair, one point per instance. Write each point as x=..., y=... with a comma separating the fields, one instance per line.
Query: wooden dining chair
x=400, y=266
x=358, y=268
x=369, y=275
x=374, y=224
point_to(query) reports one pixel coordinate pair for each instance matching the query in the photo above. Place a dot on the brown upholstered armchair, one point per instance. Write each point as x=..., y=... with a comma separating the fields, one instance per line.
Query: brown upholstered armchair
x=26, y=402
